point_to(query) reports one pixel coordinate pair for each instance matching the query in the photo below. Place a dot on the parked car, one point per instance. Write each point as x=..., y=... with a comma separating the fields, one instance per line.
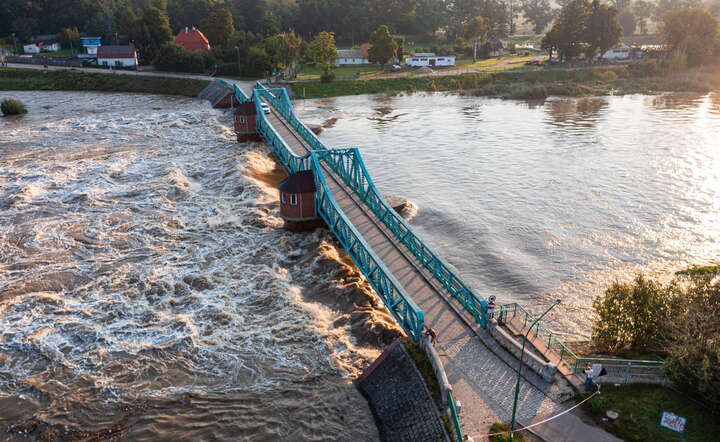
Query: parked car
x=396, y=67
x=265, y=108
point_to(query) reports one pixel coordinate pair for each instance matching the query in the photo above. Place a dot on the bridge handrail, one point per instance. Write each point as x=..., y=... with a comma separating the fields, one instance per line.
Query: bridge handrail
x=400, y=305
x=361, y=182
x=564, y=354
x=351, y=168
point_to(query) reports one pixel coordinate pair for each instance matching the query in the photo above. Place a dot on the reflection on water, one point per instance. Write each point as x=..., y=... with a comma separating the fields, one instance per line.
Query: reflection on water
x=560, y=197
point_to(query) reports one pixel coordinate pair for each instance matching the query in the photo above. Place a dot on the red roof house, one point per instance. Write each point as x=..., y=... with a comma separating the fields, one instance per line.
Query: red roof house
x=124, y=56
x=193, y=40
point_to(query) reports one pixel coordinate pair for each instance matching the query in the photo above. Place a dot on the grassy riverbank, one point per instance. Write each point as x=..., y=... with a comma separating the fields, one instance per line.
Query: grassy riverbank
x=12, y=79
x=533, y=84
x=640, y=407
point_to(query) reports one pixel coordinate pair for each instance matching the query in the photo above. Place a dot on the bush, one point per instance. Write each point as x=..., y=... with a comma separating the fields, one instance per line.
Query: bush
x=172, y=57
x=497, y=428
x=629, y=316
x=11, y=106
x=605, y=75
x=228, y=69
x=328, y=76
x=644, y=68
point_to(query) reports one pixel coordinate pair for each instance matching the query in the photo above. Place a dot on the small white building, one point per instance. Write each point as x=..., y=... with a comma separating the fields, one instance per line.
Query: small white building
x=50, y=47
x=621, y=52
x=32, y=48
x=351, y=57
x=430, y=59
x=117, y=56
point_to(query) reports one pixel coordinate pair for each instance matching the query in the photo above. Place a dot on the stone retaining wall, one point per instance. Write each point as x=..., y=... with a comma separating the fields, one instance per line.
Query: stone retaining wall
x=545, y=369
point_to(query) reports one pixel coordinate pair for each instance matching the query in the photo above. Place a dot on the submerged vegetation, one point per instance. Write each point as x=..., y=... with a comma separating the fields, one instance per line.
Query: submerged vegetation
x=12, y=106
x=31, y=79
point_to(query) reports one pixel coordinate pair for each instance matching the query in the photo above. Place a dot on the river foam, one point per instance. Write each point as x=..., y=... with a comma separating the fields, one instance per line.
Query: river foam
x=147, y=291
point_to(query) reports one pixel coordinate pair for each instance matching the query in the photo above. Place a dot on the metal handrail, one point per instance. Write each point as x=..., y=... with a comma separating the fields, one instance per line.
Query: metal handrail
x=454, y=417
x=400, y=305
x=564, y=354
x=355, y=175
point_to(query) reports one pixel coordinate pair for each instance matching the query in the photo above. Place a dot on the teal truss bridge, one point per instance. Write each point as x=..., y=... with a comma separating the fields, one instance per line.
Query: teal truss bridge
x=402, y=269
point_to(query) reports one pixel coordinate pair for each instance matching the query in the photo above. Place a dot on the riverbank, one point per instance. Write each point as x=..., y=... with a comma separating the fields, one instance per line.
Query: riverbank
x=12, y=79
x=535, y=84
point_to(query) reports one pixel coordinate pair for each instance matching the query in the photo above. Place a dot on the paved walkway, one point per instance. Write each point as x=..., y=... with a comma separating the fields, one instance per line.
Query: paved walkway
x=480, y=371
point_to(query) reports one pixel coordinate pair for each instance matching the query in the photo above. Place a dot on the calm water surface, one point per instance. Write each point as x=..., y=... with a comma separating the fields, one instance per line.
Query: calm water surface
x=532, y=201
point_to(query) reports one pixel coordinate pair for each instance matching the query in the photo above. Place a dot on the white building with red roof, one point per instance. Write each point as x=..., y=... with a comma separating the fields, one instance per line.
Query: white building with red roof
x=117, y=56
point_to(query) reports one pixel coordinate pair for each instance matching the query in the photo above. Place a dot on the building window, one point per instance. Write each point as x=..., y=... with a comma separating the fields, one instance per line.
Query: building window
x=293, y=199
x=282, y=198
x=241, y=119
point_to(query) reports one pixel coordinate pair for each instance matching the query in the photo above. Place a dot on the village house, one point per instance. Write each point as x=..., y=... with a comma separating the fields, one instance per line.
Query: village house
x=33, y=48
x=117, y=56
x=353, y=56
x=193, y=40
x=619, y=52
x=430, y=59
x=91, y=45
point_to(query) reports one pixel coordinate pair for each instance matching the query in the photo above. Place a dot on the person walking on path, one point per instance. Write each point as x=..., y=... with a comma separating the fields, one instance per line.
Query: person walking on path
x=430, y=333
x=589, y=375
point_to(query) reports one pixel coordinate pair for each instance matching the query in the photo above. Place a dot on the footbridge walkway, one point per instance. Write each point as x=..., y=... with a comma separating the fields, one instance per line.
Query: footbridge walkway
x=417, y=286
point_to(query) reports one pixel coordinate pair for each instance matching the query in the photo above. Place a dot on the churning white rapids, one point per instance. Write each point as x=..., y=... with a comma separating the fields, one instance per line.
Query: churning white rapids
x=146, y=291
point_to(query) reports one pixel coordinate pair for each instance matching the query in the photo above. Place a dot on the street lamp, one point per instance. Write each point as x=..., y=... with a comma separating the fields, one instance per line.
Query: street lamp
x=522, y=355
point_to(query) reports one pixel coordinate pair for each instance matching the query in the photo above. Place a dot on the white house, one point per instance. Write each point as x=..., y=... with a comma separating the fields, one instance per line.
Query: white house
x=32, y=48
x=50, y=47
x=620, y=52
x=117, y=56
x=350, y=57
x=430, y=59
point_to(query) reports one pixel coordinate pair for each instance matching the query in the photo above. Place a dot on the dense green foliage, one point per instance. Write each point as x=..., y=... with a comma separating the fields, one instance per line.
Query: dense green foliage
x=384, y=48
x=678, y=320
x=692, y=32
x=31, y=79
x=174, y=58
x=640, y=407
x=499, y=428
x=538, y=12
x=12, y=106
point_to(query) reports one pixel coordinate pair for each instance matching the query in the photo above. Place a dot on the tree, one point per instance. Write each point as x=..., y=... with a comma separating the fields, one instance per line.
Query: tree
x=383, y=48
x=690, y=32
x=627, y=22
x=126, y=25
x=218, y=27
x=283, y=49
x=68, y=37
x=569, y=30
x=602, y=29
x=664, y=6
x=538, y=12
x=151, y=31
x=476, y=30
x=643, y=11
x=323, y=50
x=172, y=57
x=257, y=62
x=630, y=316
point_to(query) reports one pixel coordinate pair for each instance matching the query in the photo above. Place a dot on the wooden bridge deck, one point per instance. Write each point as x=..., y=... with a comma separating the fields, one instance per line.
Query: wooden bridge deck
x=483, y=379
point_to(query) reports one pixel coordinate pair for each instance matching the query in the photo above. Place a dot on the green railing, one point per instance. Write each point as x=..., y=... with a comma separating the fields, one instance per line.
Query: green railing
x=454, y=418
x=617, y=368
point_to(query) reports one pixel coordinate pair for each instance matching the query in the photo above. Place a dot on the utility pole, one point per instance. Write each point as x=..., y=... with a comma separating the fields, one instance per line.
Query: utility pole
x=519, y=372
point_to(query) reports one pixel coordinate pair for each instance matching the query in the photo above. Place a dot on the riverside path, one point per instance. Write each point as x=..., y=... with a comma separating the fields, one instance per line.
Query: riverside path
x=416, y=285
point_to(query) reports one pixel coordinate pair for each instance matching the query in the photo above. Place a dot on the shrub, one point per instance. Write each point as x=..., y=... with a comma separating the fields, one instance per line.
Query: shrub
x=630, y=315
x=172, y=57
x=328, y=76
x=644, y=68
x=497, y=428
x=11, y=106
x=605, y=75
x=228, y=69
x=524, y=91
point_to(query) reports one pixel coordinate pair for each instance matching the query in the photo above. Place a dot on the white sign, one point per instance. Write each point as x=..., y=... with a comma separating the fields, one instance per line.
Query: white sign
x=673, y=422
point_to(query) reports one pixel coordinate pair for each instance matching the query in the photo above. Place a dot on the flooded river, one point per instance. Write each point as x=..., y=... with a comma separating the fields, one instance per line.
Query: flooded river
x=146, y=292
x=533, y=201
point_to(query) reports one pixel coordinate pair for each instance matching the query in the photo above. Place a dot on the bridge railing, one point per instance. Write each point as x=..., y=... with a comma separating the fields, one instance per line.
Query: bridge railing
x=619, y=369
x=400, y=305
x=348, y=164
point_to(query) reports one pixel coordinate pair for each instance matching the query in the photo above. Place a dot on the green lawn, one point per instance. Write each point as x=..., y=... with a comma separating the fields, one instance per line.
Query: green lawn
x=60, y=53
x=311, y=72
x=640, y=407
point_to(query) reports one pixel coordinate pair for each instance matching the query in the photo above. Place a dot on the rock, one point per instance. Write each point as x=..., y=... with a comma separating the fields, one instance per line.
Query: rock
x=398, y=203
x=198, y=282
x=182, y=289
x=612, y=414
x=316, y=128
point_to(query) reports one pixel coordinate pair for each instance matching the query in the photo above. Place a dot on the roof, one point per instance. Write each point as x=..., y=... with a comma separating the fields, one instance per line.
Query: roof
x=644, y=40
x=424, y=54
x=192, y=39
x=299, y=182
x=127, y=51
x=350, y=53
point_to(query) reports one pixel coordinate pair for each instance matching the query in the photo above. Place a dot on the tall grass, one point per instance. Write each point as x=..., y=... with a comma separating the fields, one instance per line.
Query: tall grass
x=11, y=106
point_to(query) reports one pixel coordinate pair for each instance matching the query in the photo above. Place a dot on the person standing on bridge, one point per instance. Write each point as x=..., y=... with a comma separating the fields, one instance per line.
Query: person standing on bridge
x=491, y=306
x=430, y=333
